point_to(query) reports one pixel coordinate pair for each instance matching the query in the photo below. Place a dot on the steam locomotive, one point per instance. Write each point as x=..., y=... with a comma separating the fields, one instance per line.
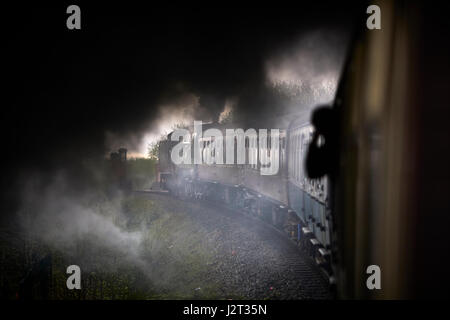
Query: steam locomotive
x=288, y=200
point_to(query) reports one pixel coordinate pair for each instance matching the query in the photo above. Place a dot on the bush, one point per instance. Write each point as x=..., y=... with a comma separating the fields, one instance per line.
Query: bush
x=141, y=172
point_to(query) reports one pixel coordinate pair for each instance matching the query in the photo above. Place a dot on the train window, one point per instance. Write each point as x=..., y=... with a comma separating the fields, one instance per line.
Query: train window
x=293, y=156
x=235, y=153
x=290, y=157
x=299, y=157
x=302, y=152
x=255, y=153
x=251, y=152
x=292, y=153
x=296, y=157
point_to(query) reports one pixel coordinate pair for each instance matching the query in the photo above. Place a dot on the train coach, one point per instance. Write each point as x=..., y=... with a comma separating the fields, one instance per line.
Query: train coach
x=288, y=200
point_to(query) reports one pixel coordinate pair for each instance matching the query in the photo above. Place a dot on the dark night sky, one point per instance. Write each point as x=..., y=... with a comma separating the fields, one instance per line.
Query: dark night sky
x=66, y=88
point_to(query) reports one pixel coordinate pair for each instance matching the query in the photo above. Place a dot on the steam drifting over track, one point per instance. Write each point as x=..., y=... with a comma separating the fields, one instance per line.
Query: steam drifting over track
x=250, y=259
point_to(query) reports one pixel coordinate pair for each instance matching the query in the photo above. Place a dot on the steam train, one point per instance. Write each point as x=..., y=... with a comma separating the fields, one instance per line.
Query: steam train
x=288, y=200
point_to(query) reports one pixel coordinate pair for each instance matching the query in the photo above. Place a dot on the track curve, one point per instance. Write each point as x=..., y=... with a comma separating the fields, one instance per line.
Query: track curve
x=250, y=258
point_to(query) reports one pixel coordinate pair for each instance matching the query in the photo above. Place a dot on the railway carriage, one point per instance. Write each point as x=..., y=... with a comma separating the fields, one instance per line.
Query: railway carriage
x=288, y=200
x=308, y=197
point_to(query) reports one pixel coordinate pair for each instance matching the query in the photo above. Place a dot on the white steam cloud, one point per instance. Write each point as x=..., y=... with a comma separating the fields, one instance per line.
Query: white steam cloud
x=62, y=219
x=310, y=69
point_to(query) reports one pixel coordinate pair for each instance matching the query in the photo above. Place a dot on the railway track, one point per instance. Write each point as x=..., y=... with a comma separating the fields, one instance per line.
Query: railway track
x=252, y=259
